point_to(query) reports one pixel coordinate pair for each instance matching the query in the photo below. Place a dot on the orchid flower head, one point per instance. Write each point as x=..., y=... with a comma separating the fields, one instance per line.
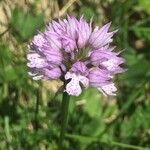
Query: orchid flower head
x=70, y=50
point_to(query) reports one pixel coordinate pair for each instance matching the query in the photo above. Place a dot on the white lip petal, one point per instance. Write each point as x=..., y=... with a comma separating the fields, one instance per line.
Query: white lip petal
x=108, y=89
x=38, y=77
x=73, y=87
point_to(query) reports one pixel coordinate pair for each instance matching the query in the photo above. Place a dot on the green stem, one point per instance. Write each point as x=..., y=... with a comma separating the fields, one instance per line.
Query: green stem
x=7, y=132
x=64, y=118
x=37, y=109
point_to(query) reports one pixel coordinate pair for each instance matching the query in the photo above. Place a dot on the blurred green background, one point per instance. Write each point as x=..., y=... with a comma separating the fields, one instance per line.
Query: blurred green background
x=30, y=110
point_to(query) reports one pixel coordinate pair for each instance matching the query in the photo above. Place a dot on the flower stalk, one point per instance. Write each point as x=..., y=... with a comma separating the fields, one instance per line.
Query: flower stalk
x=64, y=118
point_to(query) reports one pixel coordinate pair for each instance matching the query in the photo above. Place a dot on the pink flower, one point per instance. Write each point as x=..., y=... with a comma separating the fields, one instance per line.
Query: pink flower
x=69, y=50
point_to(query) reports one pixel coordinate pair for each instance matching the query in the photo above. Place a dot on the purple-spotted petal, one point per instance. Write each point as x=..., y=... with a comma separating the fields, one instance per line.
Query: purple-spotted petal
x=38, y=40
x=36, y=61
x=108, y=89
x=113, y=65
x=73, y=87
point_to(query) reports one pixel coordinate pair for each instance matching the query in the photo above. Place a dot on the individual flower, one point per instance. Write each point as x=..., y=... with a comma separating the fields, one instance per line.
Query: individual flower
x=104, y=57
x=101, y=79
x=78, y=75
x=71, y=51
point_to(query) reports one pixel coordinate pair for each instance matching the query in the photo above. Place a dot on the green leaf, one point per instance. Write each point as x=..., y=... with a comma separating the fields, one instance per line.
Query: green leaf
x=10, y=74
x=92, y=108
x=93, y=102
x=87, y=11
x=142, y=32
x=136, y=122
x=144, y=5
x=5, y=55
x=25, y=25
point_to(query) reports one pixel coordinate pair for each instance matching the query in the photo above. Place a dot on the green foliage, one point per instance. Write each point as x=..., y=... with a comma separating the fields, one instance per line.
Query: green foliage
x=30, y=113
x=88, y=12
x=25, y=25
x=142, y=32
x=144, y=5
